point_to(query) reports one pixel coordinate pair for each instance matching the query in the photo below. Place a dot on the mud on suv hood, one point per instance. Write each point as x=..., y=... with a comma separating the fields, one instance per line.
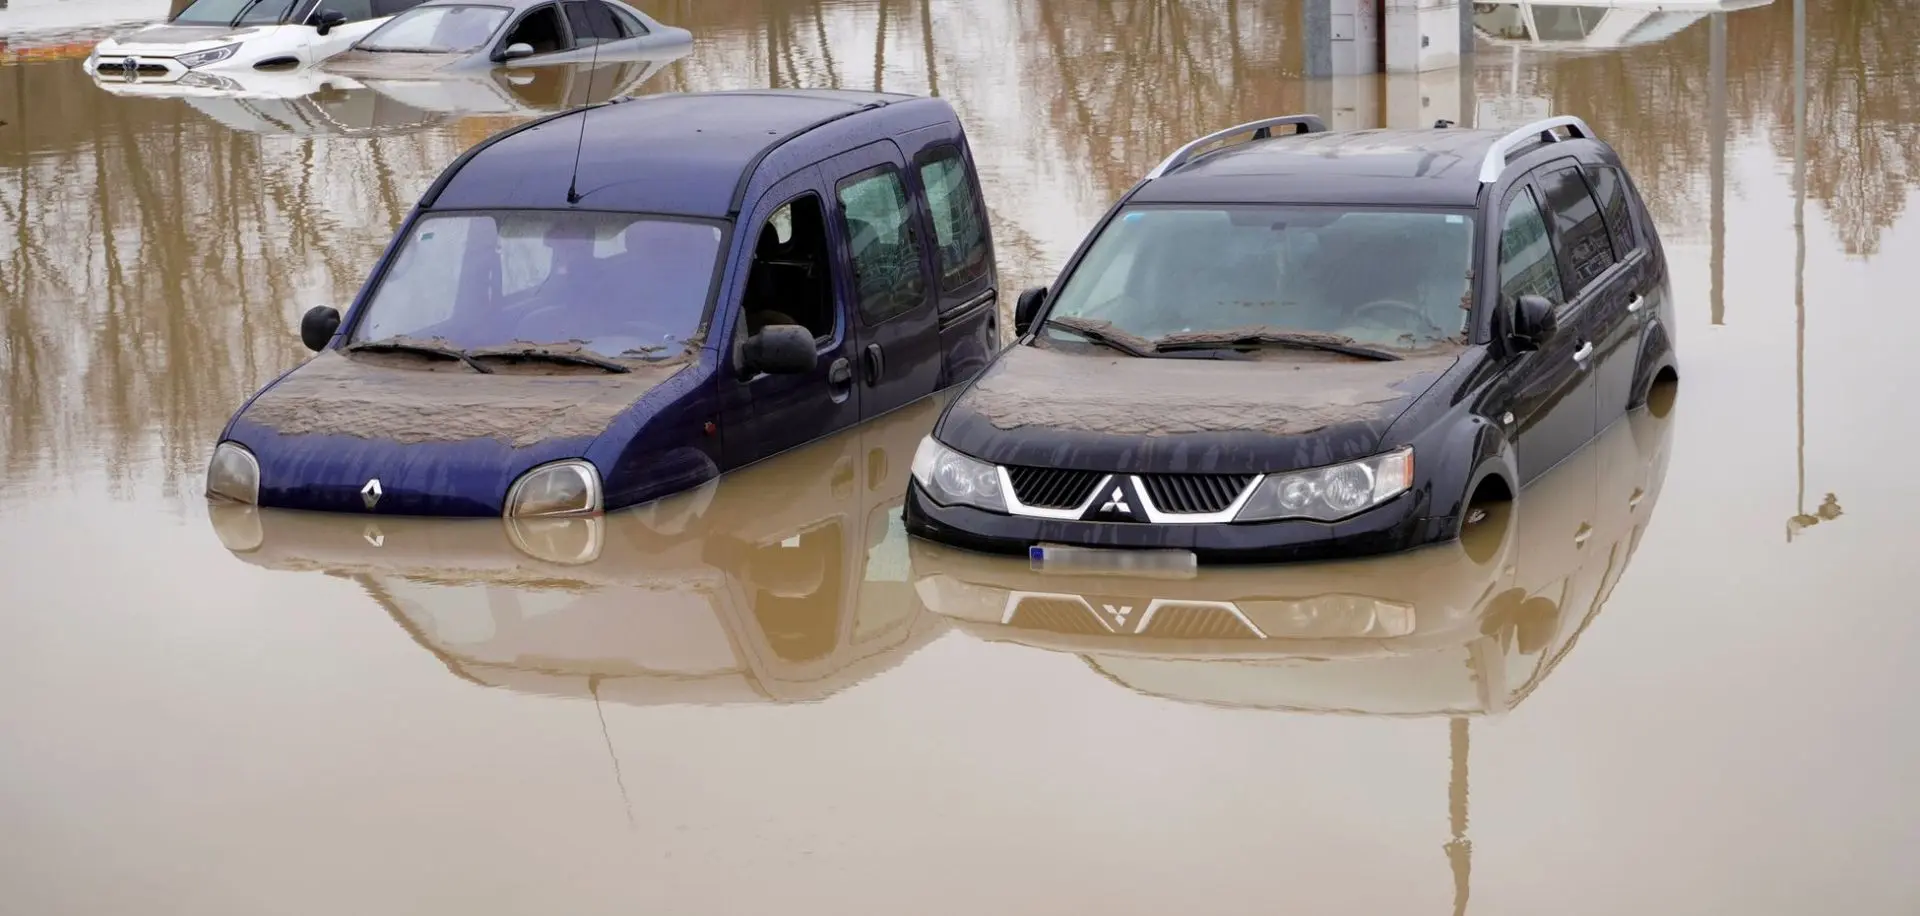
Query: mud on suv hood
x=1285, y=410
x=165, y=34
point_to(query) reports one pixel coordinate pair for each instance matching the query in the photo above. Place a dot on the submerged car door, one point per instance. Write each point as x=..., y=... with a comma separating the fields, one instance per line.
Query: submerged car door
x=785, y=268
x=888, y=275
x=1622, y=313
x=1551, y=389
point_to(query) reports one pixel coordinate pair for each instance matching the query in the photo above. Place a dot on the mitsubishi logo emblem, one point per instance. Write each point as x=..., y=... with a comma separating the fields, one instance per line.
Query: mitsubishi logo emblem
x=370, y=494
x=1117, y=503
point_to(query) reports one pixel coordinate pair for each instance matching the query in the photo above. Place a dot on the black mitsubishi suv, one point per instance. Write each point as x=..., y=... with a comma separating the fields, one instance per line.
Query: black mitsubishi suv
x=1309, y=344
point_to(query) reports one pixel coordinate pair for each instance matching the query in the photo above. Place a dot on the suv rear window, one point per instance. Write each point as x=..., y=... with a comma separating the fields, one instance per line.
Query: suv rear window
x=1159, y=270
x=1580, y=236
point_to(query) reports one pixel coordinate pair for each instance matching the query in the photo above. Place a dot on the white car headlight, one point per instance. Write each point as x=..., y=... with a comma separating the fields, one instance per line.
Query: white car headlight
x=234, y=474
x=1331, y=493
x=951, y=478
x=209, y=56
x=570, y=487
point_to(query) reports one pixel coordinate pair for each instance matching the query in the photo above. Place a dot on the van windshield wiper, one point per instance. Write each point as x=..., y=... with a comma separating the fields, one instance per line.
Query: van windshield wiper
x=549, y=354
x=1104, y=334
x=424, y=347
x=1268, y=337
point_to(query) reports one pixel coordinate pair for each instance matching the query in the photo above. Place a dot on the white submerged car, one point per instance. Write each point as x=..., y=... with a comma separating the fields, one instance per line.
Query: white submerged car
x=210, y=36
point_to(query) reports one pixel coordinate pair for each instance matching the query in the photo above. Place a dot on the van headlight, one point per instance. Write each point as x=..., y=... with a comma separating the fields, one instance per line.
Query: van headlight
x=953, y=479
x=209, y=56
x=1331, y=493
x=233, y=474
x=570, y=487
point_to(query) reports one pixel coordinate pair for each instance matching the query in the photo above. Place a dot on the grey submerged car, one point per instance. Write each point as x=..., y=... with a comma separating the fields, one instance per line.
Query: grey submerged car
x=481, y=34
x=1311, y=344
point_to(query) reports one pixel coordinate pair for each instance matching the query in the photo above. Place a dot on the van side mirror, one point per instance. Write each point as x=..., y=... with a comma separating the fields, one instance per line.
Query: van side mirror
x=1534, y=321
x=515, y=51
x=318, y=325
x=325, y=21
x=1027, y=309
x=780, y=349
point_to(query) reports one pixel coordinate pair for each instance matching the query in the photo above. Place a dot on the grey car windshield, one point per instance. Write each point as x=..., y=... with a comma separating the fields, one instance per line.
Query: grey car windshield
x=1390, y=279
x=225, y=12
x=437, y=29
x=621, y=285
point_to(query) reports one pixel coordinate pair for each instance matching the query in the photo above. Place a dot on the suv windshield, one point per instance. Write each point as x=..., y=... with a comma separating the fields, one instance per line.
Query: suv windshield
x=233, y=12
x=621, y=285
x=438, y=29
x=1389, y=279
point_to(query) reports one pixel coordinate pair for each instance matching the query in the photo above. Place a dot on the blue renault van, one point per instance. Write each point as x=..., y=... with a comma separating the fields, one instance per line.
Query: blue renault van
x=723, y=276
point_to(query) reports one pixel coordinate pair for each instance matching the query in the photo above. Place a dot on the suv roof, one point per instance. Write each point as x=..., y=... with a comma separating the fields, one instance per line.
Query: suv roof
x=1440, y=166
x=683, y=153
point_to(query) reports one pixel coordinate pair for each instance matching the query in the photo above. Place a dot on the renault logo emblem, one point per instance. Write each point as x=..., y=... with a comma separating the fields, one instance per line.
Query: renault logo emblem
x=1117, y=503
x=370, y=494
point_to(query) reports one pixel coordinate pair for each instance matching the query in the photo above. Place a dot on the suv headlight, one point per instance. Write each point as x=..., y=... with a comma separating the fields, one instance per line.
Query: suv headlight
x=234, y=474
x=570, y=487
x=209, y=56
x=1331, y=493
x=951, y=478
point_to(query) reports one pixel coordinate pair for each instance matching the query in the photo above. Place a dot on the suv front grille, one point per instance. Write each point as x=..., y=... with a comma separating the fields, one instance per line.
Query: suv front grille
x=1194, y=494
x=114, y=69
x=1053, y=488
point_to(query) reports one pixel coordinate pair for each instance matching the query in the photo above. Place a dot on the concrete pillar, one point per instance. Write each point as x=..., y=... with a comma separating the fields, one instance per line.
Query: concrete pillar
x=1419, y=99
x=1422, y=35
x=1342, y=37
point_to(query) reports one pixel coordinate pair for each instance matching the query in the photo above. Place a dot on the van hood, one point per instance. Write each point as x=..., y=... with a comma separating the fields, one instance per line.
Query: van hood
x=442, y=439
x=1283, y=411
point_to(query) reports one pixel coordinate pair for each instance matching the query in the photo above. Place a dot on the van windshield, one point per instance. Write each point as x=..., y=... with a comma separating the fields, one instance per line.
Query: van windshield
x=1389, y=279
x=620, y=285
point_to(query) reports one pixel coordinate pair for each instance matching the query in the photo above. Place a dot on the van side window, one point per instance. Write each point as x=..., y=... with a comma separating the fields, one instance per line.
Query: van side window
x=789, y=282
x=958, y=229
x=887, y=274
x=1580, y=234
x=1526, y=260
x=1612, y=194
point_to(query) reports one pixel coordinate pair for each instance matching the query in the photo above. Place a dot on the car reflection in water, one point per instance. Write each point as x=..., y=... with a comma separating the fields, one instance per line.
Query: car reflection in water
x=1465, y=628
x=1577, y=26
x=786, y=581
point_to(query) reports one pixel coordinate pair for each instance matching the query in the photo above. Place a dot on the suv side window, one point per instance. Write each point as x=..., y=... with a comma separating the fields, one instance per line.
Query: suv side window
x=1526, y=258
x=1580, y=235
x=1611, y=191
x=878, y=214
x=959, y=233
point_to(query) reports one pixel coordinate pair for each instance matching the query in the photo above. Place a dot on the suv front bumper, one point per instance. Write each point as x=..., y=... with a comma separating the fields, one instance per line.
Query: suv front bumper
x=1387, y=528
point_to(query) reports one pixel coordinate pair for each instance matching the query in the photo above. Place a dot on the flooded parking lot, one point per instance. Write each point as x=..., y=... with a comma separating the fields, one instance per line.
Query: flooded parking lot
x=1674, y=678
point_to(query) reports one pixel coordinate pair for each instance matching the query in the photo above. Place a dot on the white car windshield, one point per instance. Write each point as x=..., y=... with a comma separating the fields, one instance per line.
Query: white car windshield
x=234, y=12
x=1388, y=279
x=437, y=29
x=620, y=285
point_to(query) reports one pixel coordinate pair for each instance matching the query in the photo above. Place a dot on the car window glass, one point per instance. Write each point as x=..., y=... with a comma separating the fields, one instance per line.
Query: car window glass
x=1580, y=236
x=1610, y=189
x=354, y=10
x=622, y=284
x=443, y=29
x=605, y=24
x=210, y=12
x=392, y=7
x=592, y=22
x=789, y=282
x=268, y=12
x=1566, y=23
x=958, y=230
x=541, y=30
x=885, y=254
x=1397, y=279
x=1526, y=258
x=632, y=23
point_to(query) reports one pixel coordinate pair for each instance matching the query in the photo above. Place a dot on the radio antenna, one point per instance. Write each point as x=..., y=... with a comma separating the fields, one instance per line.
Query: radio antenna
x=593, y=67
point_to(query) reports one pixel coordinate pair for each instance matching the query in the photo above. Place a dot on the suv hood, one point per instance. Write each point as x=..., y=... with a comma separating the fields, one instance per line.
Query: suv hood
x=177, y=38
x=1280, y=412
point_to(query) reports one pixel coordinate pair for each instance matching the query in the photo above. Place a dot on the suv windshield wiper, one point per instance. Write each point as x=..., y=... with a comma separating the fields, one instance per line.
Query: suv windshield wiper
x=547, y=354
x=1103, y=333
x=424, y=347
x=1267, y=337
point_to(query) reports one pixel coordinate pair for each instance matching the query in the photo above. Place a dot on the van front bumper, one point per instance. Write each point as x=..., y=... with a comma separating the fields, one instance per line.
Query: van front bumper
x=1393, y=526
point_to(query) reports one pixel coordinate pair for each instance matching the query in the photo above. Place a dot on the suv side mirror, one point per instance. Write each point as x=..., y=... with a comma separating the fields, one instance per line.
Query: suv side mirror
x=318, y=325
x=1534, y=322
x=325, y=20
x=1027, y=309
x=515, y=51
x=780, y=349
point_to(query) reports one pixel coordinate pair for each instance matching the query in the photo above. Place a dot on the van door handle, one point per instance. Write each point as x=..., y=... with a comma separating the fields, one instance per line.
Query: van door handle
x=1634, y=302
x=840, y=374
x=876, y=363
x=1586, y=350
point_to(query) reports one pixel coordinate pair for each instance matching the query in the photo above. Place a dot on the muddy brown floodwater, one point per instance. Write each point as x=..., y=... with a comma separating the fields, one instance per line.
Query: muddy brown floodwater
x=1677, y=677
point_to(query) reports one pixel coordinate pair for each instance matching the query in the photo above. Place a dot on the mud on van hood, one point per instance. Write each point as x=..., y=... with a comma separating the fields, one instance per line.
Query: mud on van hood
x=1285, y=410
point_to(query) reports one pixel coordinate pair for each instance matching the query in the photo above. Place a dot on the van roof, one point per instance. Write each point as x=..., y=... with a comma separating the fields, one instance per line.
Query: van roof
x=687, y=154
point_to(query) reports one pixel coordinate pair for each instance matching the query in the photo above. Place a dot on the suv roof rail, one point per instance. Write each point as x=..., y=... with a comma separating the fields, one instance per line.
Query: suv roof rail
x=1496, y=161
x=1262, y=129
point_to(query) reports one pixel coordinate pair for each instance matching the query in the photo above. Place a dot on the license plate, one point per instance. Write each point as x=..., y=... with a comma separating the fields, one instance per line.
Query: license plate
x=1157, y=564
